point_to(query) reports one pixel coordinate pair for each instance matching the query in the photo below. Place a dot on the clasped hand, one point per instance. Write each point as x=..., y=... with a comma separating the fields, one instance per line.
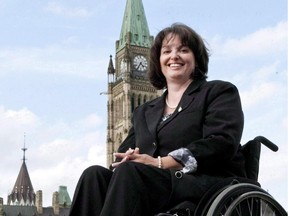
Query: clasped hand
x=134, y=155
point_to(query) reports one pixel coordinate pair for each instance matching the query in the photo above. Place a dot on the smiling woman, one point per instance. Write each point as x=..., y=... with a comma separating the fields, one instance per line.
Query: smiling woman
x=180, y=144
x=248, y=47
x=179, y=42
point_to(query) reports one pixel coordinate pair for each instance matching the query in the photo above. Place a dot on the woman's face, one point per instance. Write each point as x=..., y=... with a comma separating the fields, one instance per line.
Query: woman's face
x=177, y=61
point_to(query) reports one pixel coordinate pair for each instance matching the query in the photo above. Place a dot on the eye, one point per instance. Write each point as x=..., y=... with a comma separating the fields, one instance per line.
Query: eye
x=184, y=50
x=165, y=51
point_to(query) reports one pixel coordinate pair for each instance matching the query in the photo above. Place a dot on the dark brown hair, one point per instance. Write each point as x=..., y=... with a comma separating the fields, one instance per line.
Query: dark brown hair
x=188, y=38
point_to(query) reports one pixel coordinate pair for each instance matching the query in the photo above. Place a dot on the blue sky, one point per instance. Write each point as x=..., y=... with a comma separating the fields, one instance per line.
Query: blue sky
x=53, y=65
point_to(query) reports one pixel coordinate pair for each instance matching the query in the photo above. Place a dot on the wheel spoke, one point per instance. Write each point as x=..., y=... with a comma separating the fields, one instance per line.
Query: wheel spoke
x=256, y=203
x=245, y=200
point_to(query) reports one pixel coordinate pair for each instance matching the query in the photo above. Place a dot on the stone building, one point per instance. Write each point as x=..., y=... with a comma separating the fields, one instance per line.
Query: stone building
x=128, y=85
x=23, y=201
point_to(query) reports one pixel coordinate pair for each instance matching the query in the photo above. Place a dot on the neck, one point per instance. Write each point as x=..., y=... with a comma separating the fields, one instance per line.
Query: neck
x=178, y=88
x=175, y=92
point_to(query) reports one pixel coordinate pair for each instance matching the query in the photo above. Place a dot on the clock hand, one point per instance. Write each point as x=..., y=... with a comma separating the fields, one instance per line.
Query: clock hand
x=140, y=64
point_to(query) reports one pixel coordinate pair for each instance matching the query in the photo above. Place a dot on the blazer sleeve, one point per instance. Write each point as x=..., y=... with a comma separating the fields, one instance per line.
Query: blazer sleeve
x=222, y=126
x=129, y=142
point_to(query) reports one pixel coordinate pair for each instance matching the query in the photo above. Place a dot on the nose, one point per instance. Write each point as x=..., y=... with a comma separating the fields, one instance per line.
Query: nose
x=174, y=54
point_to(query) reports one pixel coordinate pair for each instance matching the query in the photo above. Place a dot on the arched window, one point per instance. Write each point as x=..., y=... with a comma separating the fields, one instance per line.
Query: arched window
x=145, y=99
x=116, y=111
x=139, y=100
x=121, y=108
x=132, y=103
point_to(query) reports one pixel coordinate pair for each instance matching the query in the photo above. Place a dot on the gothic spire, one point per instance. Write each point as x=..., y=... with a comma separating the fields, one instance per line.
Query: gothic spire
x=23, y=192
x=111, y=69
x=134, y=29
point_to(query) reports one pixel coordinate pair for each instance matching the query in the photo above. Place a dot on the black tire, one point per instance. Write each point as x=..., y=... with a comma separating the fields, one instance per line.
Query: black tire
x=227, y=196
x=255, y=203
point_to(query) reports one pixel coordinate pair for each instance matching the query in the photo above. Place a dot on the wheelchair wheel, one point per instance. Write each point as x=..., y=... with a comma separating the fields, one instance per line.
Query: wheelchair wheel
x=222, y=202
x=208, y=198
x=255, y=203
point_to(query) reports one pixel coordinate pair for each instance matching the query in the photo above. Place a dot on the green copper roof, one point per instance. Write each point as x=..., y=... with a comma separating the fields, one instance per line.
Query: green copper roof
x=135, y=29
x=64, y=198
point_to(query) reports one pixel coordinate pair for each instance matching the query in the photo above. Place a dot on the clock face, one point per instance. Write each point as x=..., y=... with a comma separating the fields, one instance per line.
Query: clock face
x=140, y=63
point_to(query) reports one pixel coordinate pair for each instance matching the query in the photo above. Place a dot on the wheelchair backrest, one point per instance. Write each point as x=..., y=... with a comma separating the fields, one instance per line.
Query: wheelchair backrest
x=251, y=151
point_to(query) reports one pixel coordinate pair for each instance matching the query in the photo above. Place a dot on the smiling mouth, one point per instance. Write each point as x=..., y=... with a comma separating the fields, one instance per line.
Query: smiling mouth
x=175, y=65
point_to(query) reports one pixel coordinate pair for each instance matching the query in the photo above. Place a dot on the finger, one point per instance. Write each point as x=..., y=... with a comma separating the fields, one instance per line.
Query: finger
x=119, y=155
x=115, y=164
x=118, y=163
x=137, y=150
x=130, y=151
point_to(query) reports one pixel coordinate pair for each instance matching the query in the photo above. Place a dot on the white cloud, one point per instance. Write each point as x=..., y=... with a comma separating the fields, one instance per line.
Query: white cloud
x=255, y=63
x=275, y=167
x=58, y=9
x=266, y=71
x=57, y=153
x=22, y=117
x=15, y=122
x=261, y=85
x=264, y=41
x=63, y=161
x=92, y=120
x=258, y=93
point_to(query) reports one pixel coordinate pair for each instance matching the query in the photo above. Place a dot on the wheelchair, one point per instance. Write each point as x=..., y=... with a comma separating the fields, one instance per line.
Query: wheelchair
x=236, y=196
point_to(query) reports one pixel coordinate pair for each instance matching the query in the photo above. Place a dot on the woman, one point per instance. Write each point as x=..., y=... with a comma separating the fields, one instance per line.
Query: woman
x=180, y=144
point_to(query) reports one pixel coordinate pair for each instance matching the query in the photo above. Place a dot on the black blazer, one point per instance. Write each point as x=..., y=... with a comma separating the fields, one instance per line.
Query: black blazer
x=208, y=121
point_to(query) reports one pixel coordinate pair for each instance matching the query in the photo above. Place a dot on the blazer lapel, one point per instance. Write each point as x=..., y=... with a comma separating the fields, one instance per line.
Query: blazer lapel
x=154, y=113
x=188, y=95
x=155, y=108
x=186, y=100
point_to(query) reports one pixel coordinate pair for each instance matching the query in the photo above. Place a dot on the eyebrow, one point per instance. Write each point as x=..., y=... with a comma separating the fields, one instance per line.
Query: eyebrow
x=168, y=46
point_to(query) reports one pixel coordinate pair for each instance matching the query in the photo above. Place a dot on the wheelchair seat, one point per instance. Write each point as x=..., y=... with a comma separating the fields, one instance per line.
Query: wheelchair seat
x=226, y=197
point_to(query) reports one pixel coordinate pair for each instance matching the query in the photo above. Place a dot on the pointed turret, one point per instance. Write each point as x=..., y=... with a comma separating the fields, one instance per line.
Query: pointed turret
x=134, y=29
x=23, y=192
x=111, y=71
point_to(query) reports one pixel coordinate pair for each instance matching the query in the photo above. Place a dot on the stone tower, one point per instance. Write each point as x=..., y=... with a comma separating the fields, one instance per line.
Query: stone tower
x=128, y=86
x=39, y=201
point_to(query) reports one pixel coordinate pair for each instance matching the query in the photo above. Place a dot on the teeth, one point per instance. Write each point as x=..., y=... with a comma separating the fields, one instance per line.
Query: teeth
x=175, y=65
